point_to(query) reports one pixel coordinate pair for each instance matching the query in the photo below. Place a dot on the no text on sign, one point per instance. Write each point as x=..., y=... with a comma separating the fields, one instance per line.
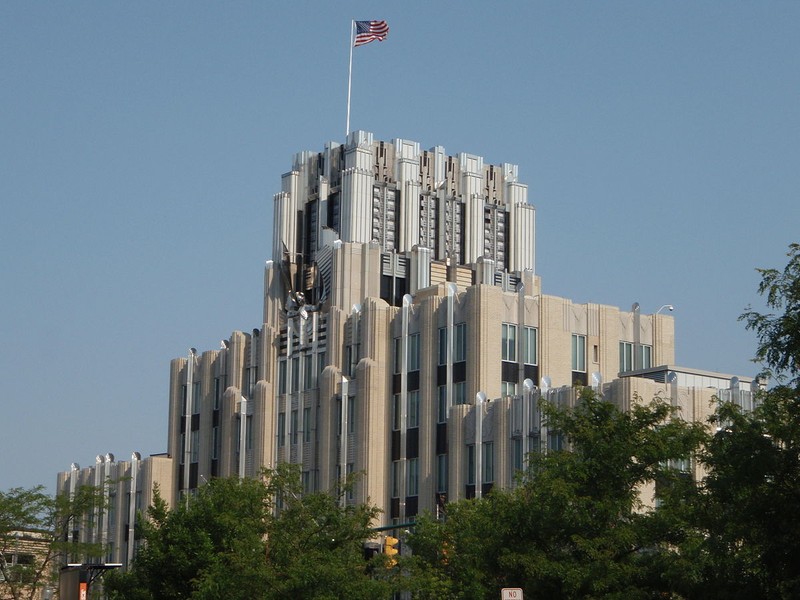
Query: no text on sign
x=511, y=594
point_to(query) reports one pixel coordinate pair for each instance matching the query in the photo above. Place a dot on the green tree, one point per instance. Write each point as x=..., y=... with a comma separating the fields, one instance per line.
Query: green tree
x=36, y=534
x=574, y=526
x=779, y=334
x=751, y=496
x=252, y=539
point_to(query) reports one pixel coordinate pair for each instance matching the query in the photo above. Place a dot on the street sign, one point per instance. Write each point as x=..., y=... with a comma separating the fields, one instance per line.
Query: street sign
x=511, y=594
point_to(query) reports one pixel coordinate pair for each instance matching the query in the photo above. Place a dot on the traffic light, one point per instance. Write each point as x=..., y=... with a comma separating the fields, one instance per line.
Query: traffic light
x=390, y=549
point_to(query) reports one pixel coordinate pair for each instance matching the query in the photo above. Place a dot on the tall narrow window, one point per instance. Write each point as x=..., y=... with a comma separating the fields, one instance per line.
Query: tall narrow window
x=442, y=346
x=471, y=464
x=308, y=372
x=307, y=424
x=413, y=409
x=281, y=428
x=398, y=355
x=509, y=342
x=413, y=352
x=397, y=413
x=351, y=414
x=579, y=353
x=282, y=377
x=195, y=449
x=215, y=443
x=625, y=356
x=647, y=356
x=441, y=404
x=441, y=473
x=196, y=398
x=517, y=453
x=396, y=474
x=460, y=342
x=296, y=374
x=487, y=462
x=529, y=344
x=413, y=477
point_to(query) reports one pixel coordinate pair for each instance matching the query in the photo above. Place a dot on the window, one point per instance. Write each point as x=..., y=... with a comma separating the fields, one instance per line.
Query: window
x=441, y=404
x=294, y=426
x=215, y=443
x=441, y=473
x=647, y=356
x=296, y=374
x=349, y=468
x=555, y=441
x=248, y=433
x=529, y=345
x=413, y=352
x=397, y=413
x=308, y=377
x=460, y=392
x=351, y=414
x=195, y=449
x=509, y=342
x=219, y=390
x=398, y=355
x=396, y=473
x=460, y=346
x=471, y=464
x=281, y=429
x=196, y=398
x=413, y=409
x=628, y=356
x=307, y=424
x=517, y=453
x=508, y=388
x=487, y=462
x=413, y=477
x=579, y=353
x=459, y=343
x=282, y=377
x=252, y=379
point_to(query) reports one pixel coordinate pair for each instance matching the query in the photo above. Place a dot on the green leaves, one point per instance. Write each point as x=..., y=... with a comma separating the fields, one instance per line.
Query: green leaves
x=38, y=525
x=253, y=539
x=779, y=335
x=574, y=526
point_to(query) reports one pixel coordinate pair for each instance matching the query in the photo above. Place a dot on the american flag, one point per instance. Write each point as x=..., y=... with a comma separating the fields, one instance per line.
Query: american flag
x=369, y=31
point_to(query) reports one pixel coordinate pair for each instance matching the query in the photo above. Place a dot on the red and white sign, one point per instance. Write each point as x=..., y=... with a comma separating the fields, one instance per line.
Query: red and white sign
x=511, y=594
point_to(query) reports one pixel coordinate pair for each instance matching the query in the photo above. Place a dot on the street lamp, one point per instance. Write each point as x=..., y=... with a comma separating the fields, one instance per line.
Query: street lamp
x=669, y=307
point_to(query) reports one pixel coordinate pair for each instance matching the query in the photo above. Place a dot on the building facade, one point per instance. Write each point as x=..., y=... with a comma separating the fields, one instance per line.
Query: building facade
x=402, y=289
x=128, y=489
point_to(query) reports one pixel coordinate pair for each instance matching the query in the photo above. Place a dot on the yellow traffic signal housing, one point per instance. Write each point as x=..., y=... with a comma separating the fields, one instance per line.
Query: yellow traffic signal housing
x=390, y=548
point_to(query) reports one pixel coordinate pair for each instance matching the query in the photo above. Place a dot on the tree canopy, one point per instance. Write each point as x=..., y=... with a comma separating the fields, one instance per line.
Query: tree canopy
x=253, y=539
x=37, y=527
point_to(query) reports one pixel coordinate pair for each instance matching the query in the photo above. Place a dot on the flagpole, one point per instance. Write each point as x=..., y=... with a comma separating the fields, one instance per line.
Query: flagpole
x=349, y=81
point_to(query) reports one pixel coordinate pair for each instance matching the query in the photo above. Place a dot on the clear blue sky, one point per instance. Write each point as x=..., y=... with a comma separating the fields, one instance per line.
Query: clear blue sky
x=141, y=144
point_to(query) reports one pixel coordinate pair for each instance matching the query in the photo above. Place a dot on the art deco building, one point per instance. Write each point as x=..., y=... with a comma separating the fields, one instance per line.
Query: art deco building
x=405, y=335
x=128, y=489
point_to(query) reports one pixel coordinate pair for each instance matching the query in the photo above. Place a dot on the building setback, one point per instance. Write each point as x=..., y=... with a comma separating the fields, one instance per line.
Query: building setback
x=401, y=291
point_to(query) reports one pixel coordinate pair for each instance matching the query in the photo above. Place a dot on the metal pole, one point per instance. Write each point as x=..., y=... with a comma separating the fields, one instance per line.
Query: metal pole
x=349, y=81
